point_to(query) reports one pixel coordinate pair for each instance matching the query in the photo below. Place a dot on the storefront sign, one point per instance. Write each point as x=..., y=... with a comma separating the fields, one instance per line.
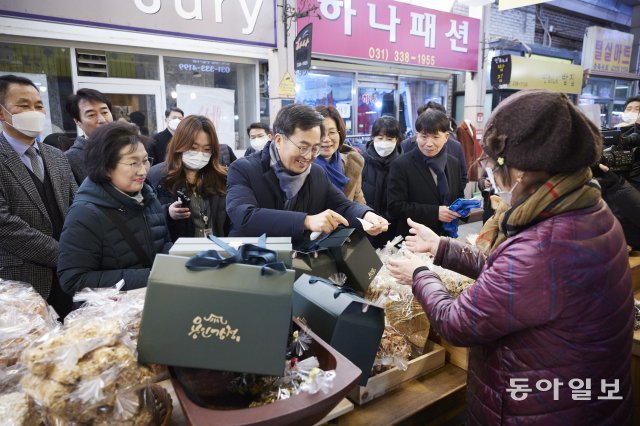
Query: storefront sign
x=302, y=48
x=518, y=73
x=512, y=4
x=606, y=50
x=389, y=31
x=238, y=21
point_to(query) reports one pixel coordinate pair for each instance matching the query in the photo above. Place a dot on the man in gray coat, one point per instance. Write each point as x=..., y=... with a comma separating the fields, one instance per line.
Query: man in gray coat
x=36, y=189
x=90, y=109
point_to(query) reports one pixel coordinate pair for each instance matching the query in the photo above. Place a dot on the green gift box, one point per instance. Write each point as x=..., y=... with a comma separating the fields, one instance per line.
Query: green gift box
x=358, y=260
x=349, y=323
x=234, y=318
x=191, y=246
x=352, y=254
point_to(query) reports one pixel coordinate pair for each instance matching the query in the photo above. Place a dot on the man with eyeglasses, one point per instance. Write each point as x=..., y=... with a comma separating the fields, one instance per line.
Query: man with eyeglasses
x=36, y=189
x=281, y=192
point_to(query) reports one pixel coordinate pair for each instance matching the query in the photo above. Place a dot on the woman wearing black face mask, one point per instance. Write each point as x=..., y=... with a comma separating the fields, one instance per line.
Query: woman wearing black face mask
x=193, y=171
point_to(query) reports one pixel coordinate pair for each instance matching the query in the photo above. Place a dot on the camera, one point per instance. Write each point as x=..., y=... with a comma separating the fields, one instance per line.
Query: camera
x=621, y=152
x=184, y=198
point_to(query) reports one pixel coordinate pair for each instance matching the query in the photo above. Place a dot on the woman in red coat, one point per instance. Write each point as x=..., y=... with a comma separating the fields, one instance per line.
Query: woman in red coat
x=549, y=320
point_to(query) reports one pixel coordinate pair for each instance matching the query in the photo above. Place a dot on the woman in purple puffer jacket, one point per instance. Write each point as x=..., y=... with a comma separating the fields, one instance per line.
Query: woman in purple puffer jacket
x=549, y=320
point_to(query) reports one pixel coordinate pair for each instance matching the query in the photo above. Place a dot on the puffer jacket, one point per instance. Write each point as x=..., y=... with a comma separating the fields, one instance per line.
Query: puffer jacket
x=552, y=303
x=93, y=252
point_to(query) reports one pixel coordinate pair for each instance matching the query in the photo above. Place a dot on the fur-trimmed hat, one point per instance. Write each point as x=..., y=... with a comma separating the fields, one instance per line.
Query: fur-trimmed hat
x=541, y=130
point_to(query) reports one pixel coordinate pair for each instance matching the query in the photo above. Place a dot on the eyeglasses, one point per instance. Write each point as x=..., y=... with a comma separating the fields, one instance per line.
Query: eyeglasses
x=137, y=165
x=306, y=149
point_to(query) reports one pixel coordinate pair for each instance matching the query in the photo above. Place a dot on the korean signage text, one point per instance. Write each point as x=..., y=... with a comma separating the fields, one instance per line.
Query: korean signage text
x=389, y=31
x=606, y=50
x=517, y=72
x=238, y=21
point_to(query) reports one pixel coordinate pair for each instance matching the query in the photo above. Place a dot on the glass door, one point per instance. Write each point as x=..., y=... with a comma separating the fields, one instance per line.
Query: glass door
x=137, y=102
x=374, y=101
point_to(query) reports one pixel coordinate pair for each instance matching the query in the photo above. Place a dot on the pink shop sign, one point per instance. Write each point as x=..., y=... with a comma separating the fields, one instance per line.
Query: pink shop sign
x=389, y=31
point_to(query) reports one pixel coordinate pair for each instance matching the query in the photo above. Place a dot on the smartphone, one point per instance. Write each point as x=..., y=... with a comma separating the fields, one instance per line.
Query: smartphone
x=184, y=198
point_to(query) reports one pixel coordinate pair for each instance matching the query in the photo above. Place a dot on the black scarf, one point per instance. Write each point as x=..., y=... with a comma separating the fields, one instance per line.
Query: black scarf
x=438, y=164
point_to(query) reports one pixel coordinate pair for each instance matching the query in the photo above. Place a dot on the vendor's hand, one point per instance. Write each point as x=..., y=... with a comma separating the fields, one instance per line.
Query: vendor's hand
x=603, y=167
x=422, y=239
x=324, y=222
x=379, y=223
x=402, y=269
x=446, y=215
x=176, y=212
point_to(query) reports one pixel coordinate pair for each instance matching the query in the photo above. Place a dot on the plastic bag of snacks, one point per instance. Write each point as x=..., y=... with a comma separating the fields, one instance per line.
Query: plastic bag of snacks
x=24, y=317
x=87, y=371
x=407, y=326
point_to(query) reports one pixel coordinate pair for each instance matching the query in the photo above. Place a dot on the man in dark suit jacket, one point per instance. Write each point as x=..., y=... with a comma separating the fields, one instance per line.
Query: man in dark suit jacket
x=281, y=192
x=36, y=188
x=158, y=147
x=423, y=182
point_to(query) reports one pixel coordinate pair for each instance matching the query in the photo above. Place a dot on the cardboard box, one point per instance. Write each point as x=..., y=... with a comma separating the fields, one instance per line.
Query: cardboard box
x=191, y=246
x=386, y=381
x=349, y=323
x=232, y=318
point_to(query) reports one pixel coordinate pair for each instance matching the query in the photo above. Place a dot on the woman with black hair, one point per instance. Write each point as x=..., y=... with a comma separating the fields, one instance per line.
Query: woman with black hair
x=380, y=151
x=191, y=184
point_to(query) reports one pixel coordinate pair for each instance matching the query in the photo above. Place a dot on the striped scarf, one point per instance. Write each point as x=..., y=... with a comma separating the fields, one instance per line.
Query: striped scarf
x=560, y=194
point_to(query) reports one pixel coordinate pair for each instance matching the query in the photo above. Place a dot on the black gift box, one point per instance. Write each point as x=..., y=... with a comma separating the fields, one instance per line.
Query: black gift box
x=349, y=323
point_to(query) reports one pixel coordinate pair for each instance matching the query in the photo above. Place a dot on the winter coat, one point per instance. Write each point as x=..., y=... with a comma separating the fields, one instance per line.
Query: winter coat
x=158, y=146
x=255, y=202
x=216, y=211
x=352, y=165
x=75, y=155
x=552, y=302
x=624, y=200
x=374, y=187
x=93, y=251
x=412, y=191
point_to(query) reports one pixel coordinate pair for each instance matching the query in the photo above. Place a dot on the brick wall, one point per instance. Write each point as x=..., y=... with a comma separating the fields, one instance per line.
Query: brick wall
x=568, y=30
x=512, y=24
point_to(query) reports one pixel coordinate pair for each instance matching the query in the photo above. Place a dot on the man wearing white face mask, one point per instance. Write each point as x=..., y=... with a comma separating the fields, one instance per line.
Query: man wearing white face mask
x=158, y=147
x=36, y=189
x=630, y=114
x=380, y=152
x=259, y=134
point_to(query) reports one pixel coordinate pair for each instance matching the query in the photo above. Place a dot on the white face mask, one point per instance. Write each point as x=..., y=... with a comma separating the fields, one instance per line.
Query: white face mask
x=259, y=143
x=505, y=196
x=173, y=124
x=629, y=117
x=29, y=123
x=195, y=160
x=384, y=148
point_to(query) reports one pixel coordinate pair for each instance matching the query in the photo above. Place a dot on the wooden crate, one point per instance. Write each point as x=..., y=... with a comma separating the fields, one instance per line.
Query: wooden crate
x=382, y=383
x=456, y=355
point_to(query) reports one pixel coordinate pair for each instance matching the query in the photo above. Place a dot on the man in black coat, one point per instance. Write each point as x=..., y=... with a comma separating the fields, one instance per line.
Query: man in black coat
x=423, y=182
x=453, y=145
x=282, y=193
x=158, y=147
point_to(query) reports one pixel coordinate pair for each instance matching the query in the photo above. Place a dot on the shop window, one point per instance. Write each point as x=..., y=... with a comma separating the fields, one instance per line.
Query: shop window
x=50, y=69
x=416, y=92
x=328, y=88
x=223, y=91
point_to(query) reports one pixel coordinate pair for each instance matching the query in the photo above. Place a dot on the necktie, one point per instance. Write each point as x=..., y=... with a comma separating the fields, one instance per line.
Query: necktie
x=35, y=164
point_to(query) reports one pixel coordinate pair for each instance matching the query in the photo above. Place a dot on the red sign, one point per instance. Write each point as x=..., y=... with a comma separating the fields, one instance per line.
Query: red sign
x=388, y=31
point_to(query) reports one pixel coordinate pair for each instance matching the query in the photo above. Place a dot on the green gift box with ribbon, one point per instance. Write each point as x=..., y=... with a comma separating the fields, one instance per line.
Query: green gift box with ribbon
x=349, y=323
x=223, y=313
